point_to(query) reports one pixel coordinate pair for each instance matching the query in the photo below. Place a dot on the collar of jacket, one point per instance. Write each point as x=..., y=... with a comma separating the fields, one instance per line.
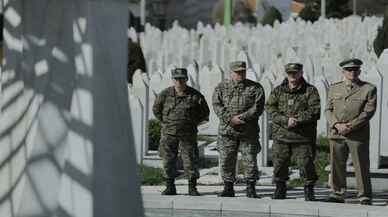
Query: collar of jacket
x=238, y=83
x=172, y=91
x=301, y=88
x=357, y=83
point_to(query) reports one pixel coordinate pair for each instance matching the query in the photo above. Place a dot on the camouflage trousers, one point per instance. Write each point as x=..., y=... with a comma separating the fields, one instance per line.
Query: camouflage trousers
x=228, y=148
x=304, y=155
x=168, y=151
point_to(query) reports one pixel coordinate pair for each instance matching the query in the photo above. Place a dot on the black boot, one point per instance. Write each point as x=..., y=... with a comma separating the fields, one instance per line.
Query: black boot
x=309, y=193
x=251, y=189
x=333, y=199
x=193, y=188
x=170, y=187
x=366, y=202
x=228, y=190
x=280, y=191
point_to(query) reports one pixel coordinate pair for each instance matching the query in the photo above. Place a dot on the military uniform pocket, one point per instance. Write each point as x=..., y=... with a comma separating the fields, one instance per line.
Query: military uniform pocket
x=338, y=101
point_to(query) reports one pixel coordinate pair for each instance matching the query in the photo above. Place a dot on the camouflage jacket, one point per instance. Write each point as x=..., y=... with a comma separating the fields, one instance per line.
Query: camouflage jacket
x=245, y=98
x=180, y=114
x=302, y=104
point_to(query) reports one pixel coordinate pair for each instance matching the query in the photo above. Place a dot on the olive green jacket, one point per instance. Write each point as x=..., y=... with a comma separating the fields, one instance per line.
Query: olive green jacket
x=356, y=106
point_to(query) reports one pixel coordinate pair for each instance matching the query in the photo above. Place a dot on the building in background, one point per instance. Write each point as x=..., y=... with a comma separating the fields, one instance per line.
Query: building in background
x=163, y=13
x=363, y=7
x=297, y=6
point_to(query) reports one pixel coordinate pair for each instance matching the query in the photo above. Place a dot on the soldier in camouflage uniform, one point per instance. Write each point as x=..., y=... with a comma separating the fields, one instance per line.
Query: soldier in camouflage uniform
x=238, y=103
x=294, y=107
x=351, y=104
x=180, y=109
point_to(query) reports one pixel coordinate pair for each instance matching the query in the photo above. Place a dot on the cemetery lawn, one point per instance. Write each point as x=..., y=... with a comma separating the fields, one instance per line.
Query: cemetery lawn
x=151, y=175
x=207, y=139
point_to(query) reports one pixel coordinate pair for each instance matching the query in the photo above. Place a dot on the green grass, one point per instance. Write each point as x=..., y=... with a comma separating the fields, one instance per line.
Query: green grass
x=208, y=139
x=322, y=159
x=151, y=175
x=295, y=183
x=154, y=134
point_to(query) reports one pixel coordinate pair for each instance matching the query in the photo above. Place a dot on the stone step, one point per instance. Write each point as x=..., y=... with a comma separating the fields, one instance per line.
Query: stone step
x=211, y=205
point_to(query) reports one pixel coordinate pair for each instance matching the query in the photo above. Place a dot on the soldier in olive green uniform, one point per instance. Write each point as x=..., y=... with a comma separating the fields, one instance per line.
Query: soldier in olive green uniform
x=351, y=104
x=180, y=109
x=294, y=107
x=238, y=103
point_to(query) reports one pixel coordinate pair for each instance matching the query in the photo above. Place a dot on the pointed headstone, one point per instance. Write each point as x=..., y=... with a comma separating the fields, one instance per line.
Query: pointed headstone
x=142, y=91
x=136, y=108
x=383, y=69
x=375, y=78
x=213, y=79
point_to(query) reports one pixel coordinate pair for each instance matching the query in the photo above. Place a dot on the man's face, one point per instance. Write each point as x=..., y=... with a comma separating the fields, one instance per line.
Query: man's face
x=294, y=77
x=351, y=74
x=239, y=75
x=180, y=82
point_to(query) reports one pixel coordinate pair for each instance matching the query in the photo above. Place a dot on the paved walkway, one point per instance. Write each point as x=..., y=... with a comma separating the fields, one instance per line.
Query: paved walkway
x=240, y=206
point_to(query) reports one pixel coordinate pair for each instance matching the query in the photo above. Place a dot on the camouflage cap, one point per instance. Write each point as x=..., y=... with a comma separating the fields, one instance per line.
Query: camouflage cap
x=351, y=63
x=179, y=73
x=293, y=67
x=237, y=66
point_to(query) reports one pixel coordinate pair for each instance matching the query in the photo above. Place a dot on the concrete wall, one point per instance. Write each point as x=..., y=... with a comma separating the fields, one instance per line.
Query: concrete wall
x=65, y=141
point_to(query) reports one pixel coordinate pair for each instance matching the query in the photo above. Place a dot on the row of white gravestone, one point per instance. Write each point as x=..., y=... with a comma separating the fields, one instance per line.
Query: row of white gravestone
x=323, y=43
x=207, y=51
x=143, y=92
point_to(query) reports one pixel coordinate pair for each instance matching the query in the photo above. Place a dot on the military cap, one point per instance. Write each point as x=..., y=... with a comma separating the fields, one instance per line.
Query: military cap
x=293, y=67
x=351, y=63
x=238, y=66
x=179, y=73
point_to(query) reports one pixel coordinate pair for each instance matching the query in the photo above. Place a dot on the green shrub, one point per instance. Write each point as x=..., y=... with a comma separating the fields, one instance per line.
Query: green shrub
x=310, y=12
x=323, y=144
x=293, y=183
x=151, y=175
x=322, y=159
x=154, y=128
x=381, y=41
x=207, y=139
x=271, y=16
x=334, y=9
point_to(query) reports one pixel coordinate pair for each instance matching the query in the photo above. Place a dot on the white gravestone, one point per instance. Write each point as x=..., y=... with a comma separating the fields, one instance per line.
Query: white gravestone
x=375, y=78
x=264, y=126
x=137, y=121
x=322, y=86
x=192, y=73
x=155, y=88
x=383, y=69
x=214, y=78
x=140, y=89
x=206, y=90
